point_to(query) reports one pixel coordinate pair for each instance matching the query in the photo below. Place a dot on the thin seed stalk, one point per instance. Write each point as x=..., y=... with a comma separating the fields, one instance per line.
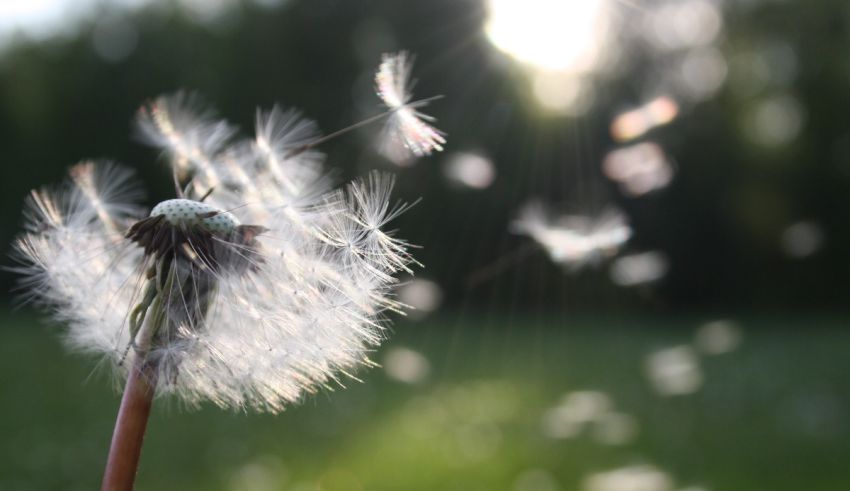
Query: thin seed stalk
x=130, y=426
x=129, y=433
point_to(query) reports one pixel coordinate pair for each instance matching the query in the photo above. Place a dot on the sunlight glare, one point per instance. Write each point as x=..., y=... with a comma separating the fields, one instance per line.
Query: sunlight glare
x=554, y=35
x=561, y=42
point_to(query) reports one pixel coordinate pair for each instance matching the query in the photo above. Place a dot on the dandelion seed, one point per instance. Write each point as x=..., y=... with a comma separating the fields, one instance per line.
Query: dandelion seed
x=278, y=132
x=406, y=133
x=188, y=134
x=574, y=241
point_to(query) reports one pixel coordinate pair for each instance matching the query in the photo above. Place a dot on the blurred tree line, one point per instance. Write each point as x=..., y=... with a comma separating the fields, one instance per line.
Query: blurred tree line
x=719, y=222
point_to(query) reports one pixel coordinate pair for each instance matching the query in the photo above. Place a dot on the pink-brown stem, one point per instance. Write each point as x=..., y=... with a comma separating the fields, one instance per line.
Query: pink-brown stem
x=126, y=448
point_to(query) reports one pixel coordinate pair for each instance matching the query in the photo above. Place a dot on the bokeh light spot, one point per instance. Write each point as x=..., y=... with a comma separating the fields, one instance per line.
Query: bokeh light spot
x=802, y=239
x=639, y=269
x=423, y=296
x=634, y=123
x=775, y=120
x=718, y=337
x=639, y=168
x=634, y=478
x=471, y=170
x=406, y=365
x=674, y=371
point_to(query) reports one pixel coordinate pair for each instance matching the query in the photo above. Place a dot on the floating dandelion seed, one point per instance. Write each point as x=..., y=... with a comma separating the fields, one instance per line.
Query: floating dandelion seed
x=406, y=133
x=574, y=241
x=257, y=285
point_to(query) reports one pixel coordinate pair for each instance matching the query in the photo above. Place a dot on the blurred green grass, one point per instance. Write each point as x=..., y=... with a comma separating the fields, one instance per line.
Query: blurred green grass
x=772, y=415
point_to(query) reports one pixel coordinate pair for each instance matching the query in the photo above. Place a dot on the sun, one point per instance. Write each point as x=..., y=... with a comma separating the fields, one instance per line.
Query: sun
x=551, y=35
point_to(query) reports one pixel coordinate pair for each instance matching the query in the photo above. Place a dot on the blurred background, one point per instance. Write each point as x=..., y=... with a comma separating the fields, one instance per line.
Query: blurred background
x=635, y=242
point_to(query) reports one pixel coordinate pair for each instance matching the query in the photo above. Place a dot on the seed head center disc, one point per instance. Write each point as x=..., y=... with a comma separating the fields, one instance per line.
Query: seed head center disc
x=189, y=214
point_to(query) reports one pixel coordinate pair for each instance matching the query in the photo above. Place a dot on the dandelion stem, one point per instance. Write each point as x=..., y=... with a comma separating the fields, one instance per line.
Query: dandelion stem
x=126, y=448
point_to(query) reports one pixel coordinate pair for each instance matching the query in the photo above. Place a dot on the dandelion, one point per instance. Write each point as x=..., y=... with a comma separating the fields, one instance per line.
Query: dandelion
x=257, y=285
x=406, y=133
x=574, y=241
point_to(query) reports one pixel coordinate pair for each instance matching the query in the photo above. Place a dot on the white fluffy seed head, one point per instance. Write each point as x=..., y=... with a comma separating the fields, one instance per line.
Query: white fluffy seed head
x=189, y=213
x=303, y=315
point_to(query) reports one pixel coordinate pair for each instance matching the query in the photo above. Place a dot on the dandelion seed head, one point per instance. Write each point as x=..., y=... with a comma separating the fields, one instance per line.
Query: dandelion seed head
x=189, y=213
x=260, y=286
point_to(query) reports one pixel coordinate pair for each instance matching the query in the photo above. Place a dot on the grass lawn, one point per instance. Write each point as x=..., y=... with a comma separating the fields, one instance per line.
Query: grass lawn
x=772, y=415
